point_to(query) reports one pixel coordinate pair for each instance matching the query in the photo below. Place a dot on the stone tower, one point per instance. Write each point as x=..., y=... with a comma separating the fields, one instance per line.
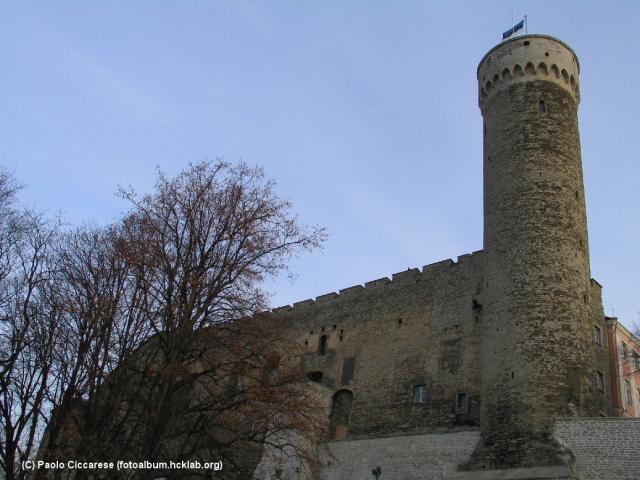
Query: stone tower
x=536, y=345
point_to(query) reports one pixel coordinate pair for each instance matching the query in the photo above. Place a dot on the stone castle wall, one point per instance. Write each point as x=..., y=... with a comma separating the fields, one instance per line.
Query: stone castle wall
x=601, y=401
x=412, y=457
x=421, y=327
x=604, y=448
x=599, y=448
x=383, y=339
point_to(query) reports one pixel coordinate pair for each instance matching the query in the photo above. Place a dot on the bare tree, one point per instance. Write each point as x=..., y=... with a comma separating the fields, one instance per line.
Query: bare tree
x=164, y=354
x=98, y=327
x=27, y=327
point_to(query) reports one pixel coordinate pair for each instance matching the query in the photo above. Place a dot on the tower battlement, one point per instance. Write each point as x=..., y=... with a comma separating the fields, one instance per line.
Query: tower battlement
x=526, y=58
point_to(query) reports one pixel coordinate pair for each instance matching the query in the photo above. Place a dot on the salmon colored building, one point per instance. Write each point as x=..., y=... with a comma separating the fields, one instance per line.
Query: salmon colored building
x=624, y=355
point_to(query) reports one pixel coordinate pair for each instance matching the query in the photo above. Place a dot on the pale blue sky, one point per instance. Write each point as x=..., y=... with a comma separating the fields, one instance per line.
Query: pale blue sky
x=364, y=111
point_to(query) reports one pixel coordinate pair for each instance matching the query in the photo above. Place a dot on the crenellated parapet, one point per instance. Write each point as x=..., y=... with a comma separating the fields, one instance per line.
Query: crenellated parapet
x=406, y=276
x=528, y=58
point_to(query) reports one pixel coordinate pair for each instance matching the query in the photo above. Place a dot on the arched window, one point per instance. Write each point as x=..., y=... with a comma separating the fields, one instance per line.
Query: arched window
x=340, y=413
x=322, y=345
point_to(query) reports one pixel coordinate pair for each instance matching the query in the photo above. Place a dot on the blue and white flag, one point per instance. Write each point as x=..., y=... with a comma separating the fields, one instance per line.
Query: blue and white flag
x=512, y=30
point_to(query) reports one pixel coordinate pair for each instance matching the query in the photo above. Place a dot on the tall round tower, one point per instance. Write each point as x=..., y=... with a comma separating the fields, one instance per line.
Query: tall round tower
x=536, y=313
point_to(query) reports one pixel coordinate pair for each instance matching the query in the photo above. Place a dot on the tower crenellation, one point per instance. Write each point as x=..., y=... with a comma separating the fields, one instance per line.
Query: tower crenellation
x=526, y=58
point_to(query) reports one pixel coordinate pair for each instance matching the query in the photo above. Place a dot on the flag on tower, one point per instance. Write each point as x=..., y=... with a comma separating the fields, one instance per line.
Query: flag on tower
x=514, y=29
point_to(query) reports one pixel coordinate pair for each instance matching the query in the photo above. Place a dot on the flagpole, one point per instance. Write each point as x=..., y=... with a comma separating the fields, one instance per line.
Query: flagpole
x=526, y=28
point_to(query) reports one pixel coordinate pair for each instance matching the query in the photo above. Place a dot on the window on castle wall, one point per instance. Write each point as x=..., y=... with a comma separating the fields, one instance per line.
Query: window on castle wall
x=636, y=361
x=600, y=380
x=348, y=369
x=322, y=345
x=238, y=390
x=462, y=402
x=340, y=413
x=420, y=394
x=598, y=335
x=542, y=107
x=629, y=393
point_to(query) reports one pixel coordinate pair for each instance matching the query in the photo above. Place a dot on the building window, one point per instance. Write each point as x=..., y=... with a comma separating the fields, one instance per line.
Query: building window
x=348, y=369
x=462, y=402
x=238, y=390
x=625, y=351
x=629, y=395
x=420, y=394
x=636, y=361
x=340, y=413
x=542, y=107
x=322, y=345
x=598, y=334
x=600, y=380
x=315, y=377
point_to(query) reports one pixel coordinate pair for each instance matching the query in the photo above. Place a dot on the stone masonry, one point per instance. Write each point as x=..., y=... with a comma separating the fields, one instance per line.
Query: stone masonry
x=605, y=448
x=537, y=342
x=410, y=457
x=386, y=338
x=602, y=449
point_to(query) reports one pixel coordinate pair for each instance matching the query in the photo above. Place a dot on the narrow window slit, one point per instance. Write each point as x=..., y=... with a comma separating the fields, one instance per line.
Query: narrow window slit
x=322, y=345
x=542, y=107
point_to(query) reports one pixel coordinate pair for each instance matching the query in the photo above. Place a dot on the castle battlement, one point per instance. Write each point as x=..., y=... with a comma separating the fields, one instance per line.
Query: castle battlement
x=403, y=277
x=528, y=58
